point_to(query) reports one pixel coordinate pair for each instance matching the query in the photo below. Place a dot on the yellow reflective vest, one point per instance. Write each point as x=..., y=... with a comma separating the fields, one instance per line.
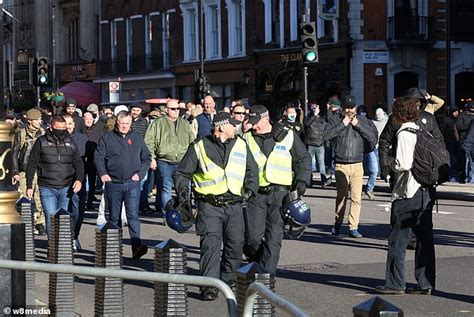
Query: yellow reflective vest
x=276, y=168
x=213, y=179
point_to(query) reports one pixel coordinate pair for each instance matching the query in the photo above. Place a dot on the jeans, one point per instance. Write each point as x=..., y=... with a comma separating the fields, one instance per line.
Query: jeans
x=373, y=168
x=129, y=194
x=165, y=172
x=412, y=214
x=77, y=206
x=469, y=167
x=318, y=153
x=54, y=199
x=144, y=186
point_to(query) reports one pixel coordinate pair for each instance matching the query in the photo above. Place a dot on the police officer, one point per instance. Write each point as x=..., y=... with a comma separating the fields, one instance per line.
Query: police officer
x=283, y=164
x=224, y=176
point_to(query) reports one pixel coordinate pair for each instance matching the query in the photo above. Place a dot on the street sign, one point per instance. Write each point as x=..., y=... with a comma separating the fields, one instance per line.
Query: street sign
x=114, y=91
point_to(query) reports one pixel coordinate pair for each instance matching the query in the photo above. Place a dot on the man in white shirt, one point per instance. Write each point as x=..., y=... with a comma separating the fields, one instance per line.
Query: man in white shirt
x=412, y=207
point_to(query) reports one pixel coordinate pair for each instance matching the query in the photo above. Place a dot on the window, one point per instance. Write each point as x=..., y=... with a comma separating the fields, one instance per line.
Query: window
x=166, y=39
x=276, y=20
x=274, y=26
x=73, y=36
x=129, y=42
x=236, y=32
x=191, y=36
x=148, y=39
x=213, y=29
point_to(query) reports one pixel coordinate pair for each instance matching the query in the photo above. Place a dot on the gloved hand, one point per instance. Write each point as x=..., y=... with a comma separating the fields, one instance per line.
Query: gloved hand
x=183, y=195
x=300, y=188
x=280, y=131
x=245, y=198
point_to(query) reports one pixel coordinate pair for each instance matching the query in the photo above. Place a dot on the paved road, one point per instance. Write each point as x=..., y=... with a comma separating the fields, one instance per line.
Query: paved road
x=324, y=275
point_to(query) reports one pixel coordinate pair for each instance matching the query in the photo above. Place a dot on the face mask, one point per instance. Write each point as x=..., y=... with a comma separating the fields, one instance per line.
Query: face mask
x=292, y=117
x=94, y=115
x=316, y=111
x=59, y=134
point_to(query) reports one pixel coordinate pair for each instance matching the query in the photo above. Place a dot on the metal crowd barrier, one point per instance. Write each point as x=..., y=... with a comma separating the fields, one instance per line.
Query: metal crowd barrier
x=254, y=289
x=258, y=288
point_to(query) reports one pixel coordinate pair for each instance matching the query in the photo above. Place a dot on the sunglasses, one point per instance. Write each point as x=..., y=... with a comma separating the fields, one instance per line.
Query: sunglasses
x=174, y=109
x=235, y=112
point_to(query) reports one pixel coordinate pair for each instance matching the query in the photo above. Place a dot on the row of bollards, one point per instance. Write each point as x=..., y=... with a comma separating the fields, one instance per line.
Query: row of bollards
x=170, y=299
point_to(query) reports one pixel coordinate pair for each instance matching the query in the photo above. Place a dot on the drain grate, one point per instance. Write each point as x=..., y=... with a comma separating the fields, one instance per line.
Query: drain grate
x=309, y=268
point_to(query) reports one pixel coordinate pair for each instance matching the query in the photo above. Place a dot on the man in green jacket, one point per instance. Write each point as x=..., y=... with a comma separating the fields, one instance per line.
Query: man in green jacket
x=167, y=139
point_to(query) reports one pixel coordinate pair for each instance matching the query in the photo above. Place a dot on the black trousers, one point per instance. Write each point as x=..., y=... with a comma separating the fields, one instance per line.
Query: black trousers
x=412, y=214
x=264, y=229
x=217, y=225
x=91, y=174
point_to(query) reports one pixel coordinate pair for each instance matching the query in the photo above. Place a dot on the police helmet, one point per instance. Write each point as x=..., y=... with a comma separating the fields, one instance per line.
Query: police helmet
x=179, y=216
x=296, y=215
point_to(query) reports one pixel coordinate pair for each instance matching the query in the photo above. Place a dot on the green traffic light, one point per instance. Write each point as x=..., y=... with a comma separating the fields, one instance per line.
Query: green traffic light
x=42, y=79
x=310, y=56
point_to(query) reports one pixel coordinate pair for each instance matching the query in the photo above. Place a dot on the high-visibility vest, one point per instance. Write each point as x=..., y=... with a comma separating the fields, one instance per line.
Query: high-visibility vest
x=277, y=167
x=215, y=180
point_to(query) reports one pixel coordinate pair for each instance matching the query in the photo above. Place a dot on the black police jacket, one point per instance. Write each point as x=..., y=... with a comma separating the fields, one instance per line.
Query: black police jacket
x=219, y=153
x=57, y=162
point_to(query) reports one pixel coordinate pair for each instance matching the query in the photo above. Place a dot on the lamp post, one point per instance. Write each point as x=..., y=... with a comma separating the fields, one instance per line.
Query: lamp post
x=12, y=231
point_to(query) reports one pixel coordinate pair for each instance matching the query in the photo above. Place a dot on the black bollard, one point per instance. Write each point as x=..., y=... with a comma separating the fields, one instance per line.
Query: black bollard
x=12, y=231
x=26, y=215
x=170, y=299
x=61, y=285
x=376, y=307
x=108, y=254
x=246, y=275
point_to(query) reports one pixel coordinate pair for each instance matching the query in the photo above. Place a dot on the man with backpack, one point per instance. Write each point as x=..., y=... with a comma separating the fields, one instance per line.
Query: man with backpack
x=23, y=142
x=412, y=207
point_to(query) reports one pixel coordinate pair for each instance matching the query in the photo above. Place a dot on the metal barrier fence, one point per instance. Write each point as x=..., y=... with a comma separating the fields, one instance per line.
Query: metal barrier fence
x=254, y=289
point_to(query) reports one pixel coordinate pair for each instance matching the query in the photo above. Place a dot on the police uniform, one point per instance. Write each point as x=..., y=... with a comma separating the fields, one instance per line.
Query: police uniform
x=223, y=174
x=283, y=164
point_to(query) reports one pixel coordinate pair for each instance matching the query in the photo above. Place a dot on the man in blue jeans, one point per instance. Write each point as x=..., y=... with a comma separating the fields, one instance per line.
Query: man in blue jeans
x=122, y=160
x=56, y=160
x=167, y=138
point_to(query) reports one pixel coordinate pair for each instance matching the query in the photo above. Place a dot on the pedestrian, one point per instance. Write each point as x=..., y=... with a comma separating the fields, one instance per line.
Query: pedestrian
x=333, y=108
x=58, y=165
x=25, y=138
x=447, y=127
x=412, y=207
x=167, y=139
x=202, y=123
x=139, y=124
x=224, y=176
x=122, y=160
x=77, y=205
x=314, y=125
x=290, y=119
x=372, y=158
x=71, y=110
x=353, y=135
x=468, y=147
x=284, y=164
x=462, y=126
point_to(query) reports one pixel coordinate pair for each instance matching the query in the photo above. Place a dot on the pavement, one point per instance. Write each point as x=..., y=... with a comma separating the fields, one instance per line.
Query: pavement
x=322, y=274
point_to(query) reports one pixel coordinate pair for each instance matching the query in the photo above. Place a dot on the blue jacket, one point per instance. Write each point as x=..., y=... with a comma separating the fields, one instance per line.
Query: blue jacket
x=204, y=125
x=122, y=156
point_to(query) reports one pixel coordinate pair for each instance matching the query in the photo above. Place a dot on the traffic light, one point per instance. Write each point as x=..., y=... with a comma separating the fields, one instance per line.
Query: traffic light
x=309, y=42
x=42, y=71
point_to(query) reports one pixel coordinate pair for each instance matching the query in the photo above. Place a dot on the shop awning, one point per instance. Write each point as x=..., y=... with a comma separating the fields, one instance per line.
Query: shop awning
x=84, y=93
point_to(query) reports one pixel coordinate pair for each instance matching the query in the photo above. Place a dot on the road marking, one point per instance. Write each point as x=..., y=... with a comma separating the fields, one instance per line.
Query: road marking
x=385, y=205
x=444, y=212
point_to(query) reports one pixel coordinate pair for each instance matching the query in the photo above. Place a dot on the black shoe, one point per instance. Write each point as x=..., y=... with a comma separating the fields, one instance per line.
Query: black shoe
x=209, y=294
x=419, y=291
x=41, y=230
x=139, y=251
x=389, y=291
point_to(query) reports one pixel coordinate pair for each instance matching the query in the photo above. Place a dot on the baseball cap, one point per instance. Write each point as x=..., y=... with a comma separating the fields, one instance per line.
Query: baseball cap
x=33, y=114
x=256, y=113
x=335, y=103
x=92, y=107
x=135, y=105
x=349, y=102
x=223, y=118
x=120, y=108
x=70, y=101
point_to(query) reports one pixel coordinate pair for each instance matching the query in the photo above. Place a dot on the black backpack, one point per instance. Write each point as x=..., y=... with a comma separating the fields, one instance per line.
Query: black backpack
x=431, y=163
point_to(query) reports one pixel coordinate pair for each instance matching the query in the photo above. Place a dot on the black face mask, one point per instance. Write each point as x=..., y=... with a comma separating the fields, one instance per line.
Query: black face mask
x=59, y=134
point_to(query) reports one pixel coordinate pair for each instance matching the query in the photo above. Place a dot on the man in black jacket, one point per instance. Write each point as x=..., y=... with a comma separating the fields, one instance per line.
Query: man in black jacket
x=225, y=175
x=58, y=164
x=462, y=126
x=139, y=124
x=314, y=125
x=122, y=159
x=353, y=135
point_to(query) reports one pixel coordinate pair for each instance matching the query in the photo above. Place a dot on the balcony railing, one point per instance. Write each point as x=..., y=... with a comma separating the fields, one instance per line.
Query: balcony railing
x=134, y=65
x=410, y=30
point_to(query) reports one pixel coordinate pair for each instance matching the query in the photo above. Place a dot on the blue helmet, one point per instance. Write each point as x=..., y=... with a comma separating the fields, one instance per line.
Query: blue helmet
x=179, y=217
x=296, y=214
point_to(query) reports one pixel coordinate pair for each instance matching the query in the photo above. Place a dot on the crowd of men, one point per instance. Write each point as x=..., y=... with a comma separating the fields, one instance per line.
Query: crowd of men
x=237, y=166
